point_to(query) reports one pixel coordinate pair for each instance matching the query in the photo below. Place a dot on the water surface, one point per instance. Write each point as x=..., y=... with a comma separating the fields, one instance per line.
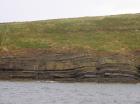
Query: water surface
x=68, y=93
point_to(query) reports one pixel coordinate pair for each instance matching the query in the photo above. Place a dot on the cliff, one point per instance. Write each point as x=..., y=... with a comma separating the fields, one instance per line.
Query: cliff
x=101, y=49
x=66, y=66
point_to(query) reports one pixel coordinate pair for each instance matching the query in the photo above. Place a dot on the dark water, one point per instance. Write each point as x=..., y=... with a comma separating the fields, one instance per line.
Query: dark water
x=68, y=93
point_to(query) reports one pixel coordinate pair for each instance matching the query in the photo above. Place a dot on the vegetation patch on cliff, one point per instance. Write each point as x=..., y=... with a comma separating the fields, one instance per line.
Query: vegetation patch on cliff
x=119, y=33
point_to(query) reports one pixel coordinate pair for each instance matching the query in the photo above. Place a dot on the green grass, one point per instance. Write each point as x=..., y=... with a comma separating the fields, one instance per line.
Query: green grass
x=109, y=33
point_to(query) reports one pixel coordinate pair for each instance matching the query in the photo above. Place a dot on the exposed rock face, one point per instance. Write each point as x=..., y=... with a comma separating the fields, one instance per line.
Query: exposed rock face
x=71, y=67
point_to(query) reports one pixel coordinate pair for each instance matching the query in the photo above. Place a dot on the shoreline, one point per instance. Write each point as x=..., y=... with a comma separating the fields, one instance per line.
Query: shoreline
x=68, y=81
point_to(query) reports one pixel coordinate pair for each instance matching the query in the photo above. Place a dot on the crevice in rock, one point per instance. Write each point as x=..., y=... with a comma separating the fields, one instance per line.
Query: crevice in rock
x=138, y=70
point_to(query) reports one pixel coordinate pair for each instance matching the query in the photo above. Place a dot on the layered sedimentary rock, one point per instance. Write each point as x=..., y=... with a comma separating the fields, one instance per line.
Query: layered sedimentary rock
x=72, y=67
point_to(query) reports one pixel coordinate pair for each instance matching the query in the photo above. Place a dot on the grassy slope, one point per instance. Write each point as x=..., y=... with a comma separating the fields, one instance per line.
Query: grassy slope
x=111, y=33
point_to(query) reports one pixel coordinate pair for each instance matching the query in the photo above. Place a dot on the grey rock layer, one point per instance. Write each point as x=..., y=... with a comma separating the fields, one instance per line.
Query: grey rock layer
x=72, y=67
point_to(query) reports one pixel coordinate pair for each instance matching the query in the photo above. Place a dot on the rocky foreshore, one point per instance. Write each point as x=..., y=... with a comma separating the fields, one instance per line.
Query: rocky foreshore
x=61, y=66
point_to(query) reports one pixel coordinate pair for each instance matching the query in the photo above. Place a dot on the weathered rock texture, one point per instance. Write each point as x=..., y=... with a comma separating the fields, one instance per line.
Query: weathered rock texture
x=72, y=67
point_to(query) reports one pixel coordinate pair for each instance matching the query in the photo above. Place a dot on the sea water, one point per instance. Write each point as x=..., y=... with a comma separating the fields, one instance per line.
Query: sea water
x=43, y=92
